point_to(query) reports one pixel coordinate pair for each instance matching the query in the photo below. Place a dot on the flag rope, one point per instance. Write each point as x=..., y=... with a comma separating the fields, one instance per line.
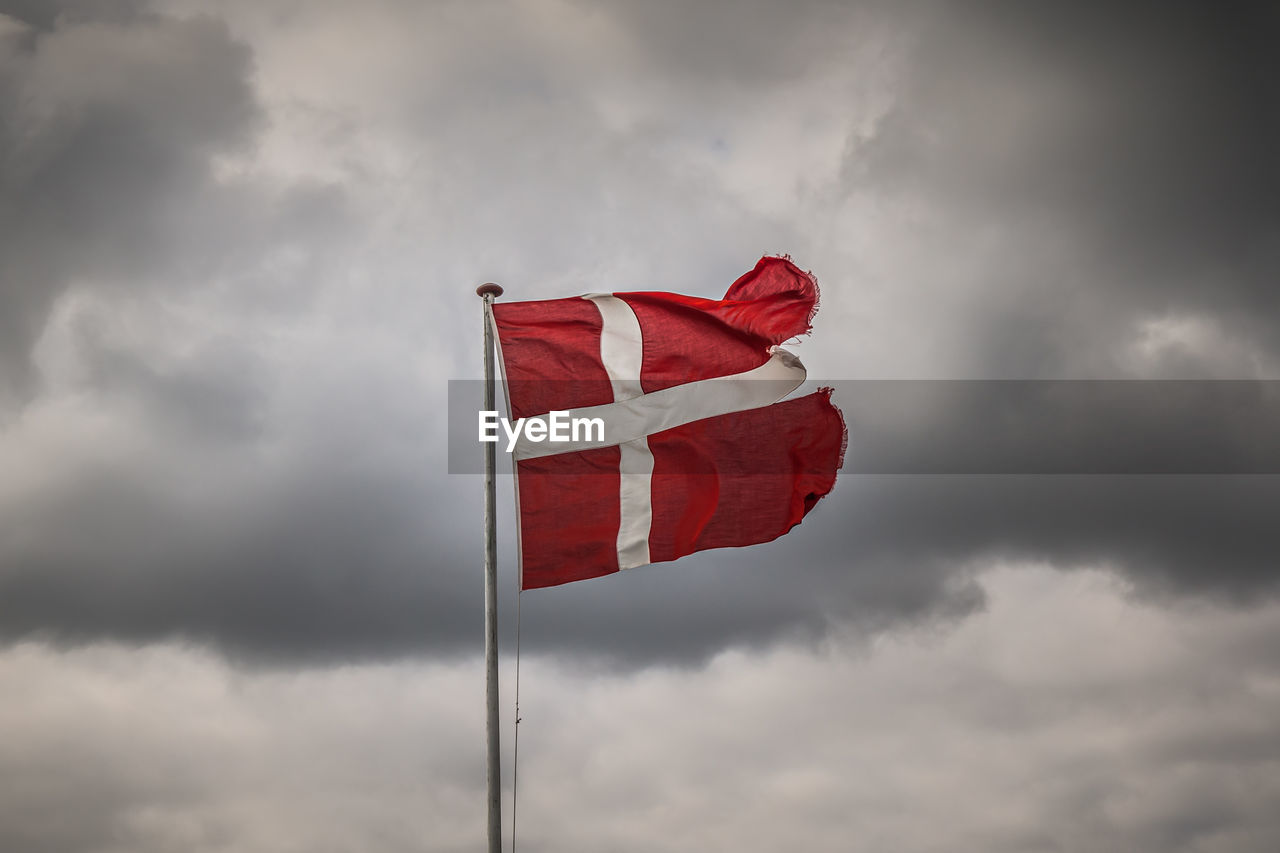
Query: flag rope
x=515, y=748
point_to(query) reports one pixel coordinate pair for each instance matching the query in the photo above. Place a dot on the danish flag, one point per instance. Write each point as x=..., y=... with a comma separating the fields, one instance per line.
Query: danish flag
x=697, y=453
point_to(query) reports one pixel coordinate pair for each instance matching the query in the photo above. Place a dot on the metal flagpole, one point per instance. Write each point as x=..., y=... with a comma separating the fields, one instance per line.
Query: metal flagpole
x=488, y=292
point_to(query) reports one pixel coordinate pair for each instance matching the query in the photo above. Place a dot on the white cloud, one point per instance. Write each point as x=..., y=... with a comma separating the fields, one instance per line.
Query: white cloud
x=1193, y=346
x=1065, y=716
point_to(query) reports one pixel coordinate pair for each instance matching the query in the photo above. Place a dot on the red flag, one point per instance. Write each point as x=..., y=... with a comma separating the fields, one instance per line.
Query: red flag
x=695, y=452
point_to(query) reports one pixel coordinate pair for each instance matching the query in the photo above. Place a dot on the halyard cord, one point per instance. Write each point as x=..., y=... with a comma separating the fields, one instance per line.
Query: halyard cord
x=515, y=482
x=515, y=758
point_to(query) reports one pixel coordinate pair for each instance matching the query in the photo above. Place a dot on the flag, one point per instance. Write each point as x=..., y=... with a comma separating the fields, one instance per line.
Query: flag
x=695, y=452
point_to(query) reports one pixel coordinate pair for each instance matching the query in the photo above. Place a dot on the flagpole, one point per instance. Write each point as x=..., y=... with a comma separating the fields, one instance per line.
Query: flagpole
x=488, y=292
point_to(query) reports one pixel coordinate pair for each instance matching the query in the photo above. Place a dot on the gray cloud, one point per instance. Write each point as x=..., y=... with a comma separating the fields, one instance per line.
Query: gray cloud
x=110, y=130
x=239, y=592
x=1113, y=162
x=113, y=120
x=1065, y=716
x=234, y=441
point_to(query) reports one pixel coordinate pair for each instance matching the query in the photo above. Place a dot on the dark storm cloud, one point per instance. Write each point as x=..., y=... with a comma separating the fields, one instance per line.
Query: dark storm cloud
x=1114, y=131
x=106, y=133
x=1141, y=135
x=739, y=45
x=46, y=14
x=334, y=564
x=110, y=119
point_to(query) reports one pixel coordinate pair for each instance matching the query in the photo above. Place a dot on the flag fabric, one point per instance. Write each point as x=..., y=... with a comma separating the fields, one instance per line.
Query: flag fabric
x=696, y=453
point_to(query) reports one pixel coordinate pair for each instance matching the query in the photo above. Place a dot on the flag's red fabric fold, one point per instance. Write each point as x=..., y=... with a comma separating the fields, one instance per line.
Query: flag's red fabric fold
x=743, y=478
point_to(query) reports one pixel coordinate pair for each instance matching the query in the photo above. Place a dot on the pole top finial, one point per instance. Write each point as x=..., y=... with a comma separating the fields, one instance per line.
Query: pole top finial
x=489, y=289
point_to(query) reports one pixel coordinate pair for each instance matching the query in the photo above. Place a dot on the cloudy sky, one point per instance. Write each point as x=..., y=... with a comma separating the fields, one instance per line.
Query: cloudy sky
x=240, y=593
